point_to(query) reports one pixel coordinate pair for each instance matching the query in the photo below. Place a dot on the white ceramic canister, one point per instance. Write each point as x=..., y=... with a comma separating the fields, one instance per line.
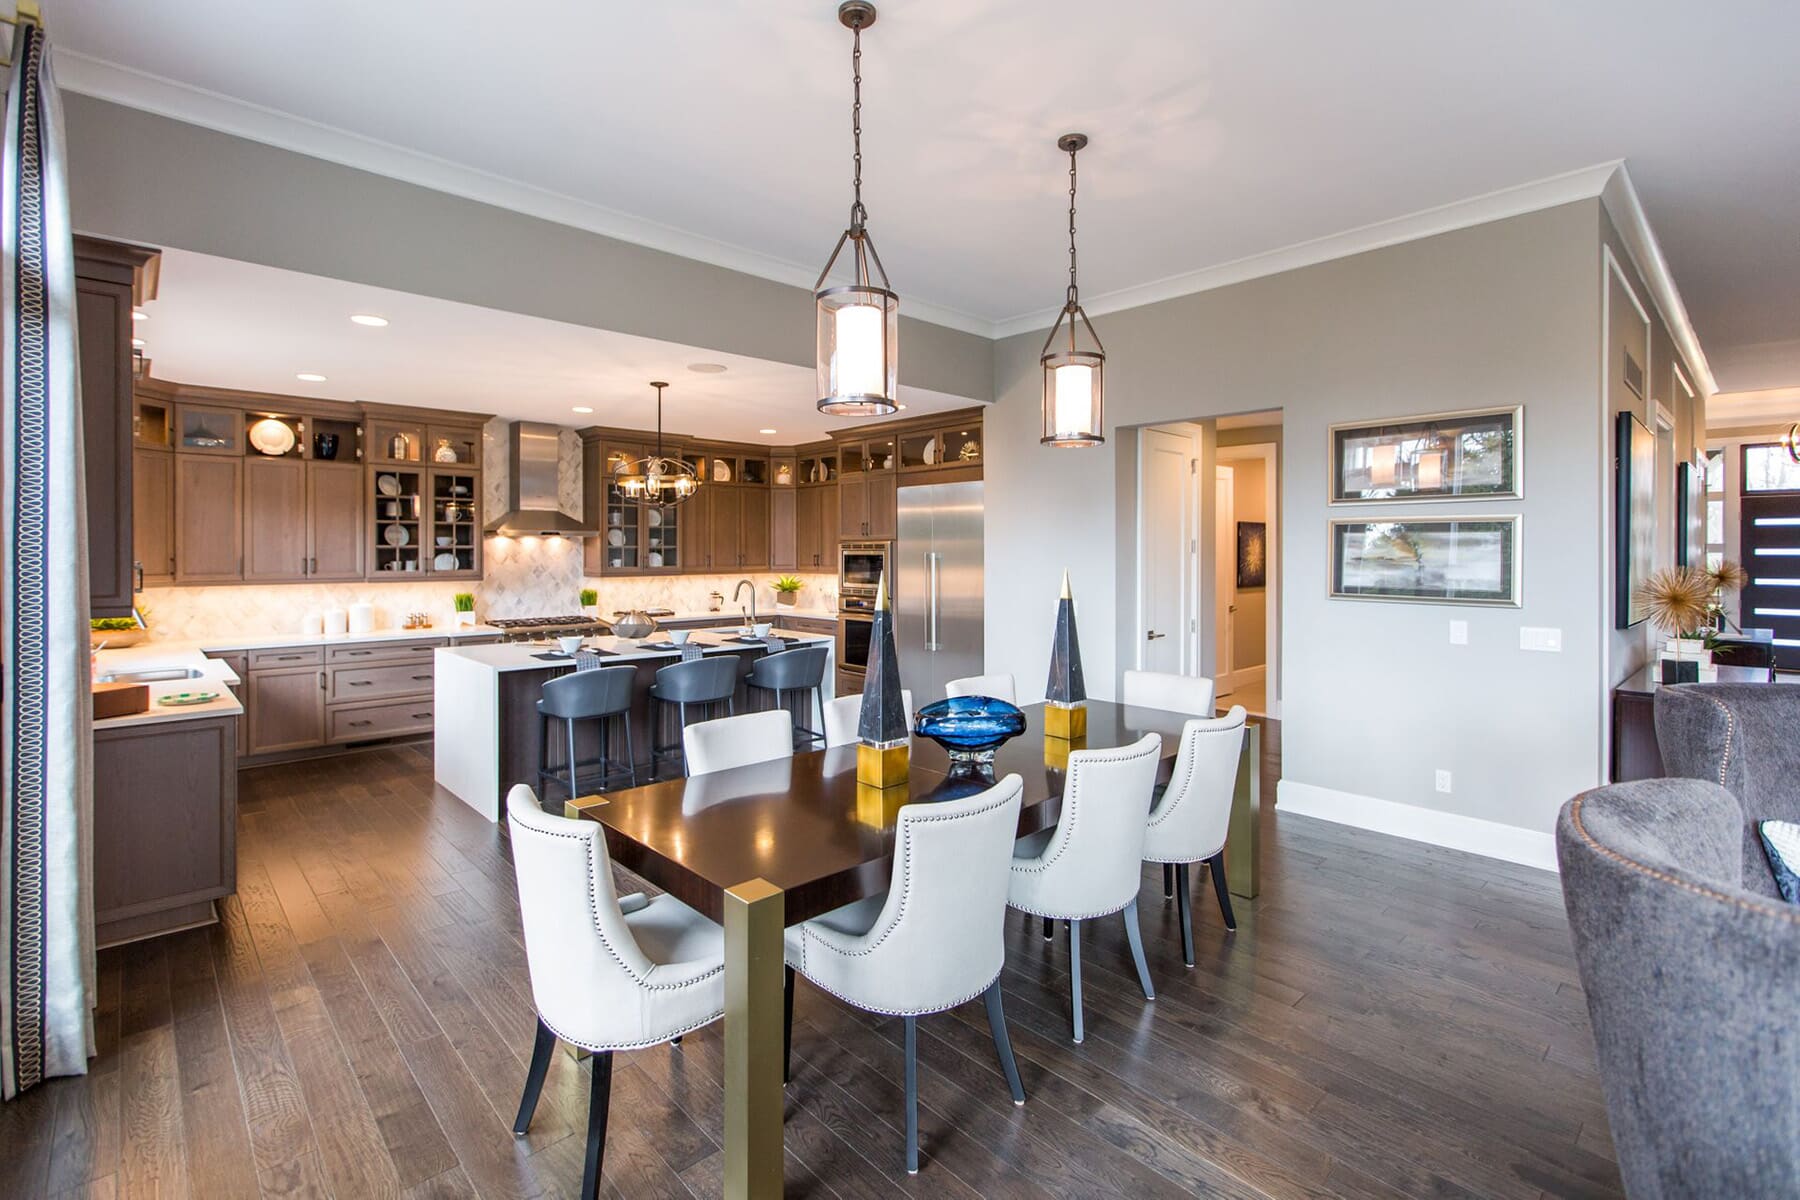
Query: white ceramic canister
x=362, y=618
x=336, y=621
x=312, y=624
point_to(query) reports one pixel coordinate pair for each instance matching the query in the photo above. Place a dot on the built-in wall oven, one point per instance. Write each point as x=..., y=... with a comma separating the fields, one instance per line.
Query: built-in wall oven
x=853, y=641
x=860, y=568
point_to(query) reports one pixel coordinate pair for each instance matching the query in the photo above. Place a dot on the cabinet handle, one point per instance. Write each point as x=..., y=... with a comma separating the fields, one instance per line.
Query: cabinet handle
x=425, y=678
x=287, y=657
x=424, y=716
x=357, y=724
x=321, y=681
x=360, y=682
x=357, y=653
x=313, y=565
x=137, y=568
x=303, y=569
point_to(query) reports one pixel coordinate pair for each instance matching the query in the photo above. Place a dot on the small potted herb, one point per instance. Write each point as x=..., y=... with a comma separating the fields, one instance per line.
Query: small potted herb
x=590, y=602
x=787, y=590
x=465, y=609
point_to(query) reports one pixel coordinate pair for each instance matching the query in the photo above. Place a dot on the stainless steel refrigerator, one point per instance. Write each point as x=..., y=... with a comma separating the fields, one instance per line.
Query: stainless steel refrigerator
x=938, y=568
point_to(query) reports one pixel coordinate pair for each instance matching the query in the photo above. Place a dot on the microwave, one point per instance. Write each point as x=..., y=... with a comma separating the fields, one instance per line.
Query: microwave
x=860, y=567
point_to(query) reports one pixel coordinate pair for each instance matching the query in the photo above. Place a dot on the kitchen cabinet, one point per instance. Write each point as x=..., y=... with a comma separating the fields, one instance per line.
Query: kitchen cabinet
x=725, y=520
x=239, y=663
x=784, y=537
x=455, y=551
x=868, y=506
x=209, y=429
x=165, y=825
x=637, y=537
x=153, y=516
x=397, y=526
x=209, y=525
x=753, y=526
x=106, y=282
x=274, y=519
x=334, y=521
x=286, y=709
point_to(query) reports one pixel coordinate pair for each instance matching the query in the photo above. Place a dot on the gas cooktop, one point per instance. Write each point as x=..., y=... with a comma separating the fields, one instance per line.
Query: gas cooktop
x=519, y=629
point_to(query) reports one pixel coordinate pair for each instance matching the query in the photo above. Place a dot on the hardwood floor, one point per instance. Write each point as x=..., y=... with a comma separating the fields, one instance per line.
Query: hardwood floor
x=1389, y=1019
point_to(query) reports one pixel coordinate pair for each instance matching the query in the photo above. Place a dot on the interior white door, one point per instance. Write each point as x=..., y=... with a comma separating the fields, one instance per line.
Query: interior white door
x=1224, y=579
x=1164, y=538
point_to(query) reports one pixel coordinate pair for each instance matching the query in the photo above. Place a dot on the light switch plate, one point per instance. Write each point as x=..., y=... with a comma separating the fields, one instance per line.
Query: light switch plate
x=1548, y=641
x=1459, y=633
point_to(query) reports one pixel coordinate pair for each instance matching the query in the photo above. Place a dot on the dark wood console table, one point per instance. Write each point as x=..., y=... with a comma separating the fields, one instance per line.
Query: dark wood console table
x=1635, y=754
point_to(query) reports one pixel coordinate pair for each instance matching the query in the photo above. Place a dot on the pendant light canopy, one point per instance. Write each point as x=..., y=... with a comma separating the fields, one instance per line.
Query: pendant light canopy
x=859, y=322
x=1074, y=378
x=655, y=477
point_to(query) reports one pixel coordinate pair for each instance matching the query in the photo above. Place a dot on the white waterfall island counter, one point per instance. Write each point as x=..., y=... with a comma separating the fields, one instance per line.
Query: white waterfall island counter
x=487, y=734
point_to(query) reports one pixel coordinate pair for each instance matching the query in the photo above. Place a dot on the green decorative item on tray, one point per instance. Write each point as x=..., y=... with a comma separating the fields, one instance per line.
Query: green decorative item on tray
x=787, y=589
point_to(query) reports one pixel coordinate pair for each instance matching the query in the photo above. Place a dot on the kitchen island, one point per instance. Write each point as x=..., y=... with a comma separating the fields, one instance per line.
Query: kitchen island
x=487, y=735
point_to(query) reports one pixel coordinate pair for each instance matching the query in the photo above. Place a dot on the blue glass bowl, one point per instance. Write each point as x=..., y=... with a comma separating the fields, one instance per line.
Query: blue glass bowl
x=970, y=728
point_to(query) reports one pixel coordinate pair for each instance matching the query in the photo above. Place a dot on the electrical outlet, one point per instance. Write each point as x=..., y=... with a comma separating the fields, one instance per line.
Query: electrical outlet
x=1459, y=633
x=1549, y=641
x=1443, y=782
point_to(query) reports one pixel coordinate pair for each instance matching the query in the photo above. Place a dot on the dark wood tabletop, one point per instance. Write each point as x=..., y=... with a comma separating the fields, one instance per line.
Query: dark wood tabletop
x=805, y=825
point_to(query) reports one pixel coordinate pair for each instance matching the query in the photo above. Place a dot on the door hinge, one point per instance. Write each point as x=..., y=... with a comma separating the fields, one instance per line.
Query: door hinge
x=1193, y=466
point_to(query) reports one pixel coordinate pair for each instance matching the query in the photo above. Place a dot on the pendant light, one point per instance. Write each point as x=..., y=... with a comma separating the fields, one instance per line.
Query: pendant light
x=859, y=322
x=656, y=477
x=1791, y=440
x=1074, y=379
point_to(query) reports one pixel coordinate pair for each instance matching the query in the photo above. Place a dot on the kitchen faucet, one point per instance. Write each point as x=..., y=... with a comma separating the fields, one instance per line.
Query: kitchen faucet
x=738, y=591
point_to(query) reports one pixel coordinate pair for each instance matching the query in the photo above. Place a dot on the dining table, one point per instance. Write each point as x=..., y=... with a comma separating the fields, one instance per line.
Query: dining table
x=761, y=847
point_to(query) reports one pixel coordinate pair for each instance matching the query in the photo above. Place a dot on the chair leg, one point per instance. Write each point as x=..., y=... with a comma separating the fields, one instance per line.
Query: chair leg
x=912, y=1095
x=1218, y=874
x=1168, y=881
x=1002, y=1043
x=1075, y=979
x=1184, y=901
x=787, y=1024
x=1135, y=936
x=599, y=1097
x=534, y=1078
x=573, y=787
x=1049, y=929
x=681, y=734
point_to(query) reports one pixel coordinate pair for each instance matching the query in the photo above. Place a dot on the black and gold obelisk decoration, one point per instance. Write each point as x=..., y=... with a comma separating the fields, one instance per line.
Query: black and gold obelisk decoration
x=1065, y=697
x=883, y=741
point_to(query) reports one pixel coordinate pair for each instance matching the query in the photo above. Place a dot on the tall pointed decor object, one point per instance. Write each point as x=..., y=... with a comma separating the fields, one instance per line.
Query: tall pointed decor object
x=1065, y=697
x=883, y=740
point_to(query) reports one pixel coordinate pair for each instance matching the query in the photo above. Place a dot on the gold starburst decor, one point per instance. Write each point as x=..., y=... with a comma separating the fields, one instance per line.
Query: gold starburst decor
x=1728, y=577
x=1677, y=599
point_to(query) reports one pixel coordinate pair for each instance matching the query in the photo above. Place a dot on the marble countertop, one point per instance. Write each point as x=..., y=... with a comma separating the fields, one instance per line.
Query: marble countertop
x=215, y=676
x=153, y=652
x=521, y=656
x=730, y=615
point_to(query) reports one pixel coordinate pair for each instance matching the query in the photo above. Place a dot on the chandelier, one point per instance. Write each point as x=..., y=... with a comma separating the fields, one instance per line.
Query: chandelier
x=1074, y=379
x=1791, y=440
x=859, y=322
x=656, y=477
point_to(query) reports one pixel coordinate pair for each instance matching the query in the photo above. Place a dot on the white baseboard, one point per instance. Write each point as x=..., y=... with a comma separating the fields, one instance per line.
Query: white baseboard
x=1490, y=839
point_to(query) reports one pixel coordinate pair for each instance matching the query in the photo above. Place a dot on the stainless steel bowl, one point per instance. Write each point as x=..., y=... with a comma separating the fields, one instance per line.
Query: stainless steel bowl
x=633, y=625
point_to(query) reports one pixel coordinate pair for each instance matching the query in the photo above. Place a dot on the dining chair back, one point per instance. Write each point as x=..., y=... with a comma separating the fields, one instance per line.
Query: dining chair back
x=1190, y=819
x=738, y=741
x=1000, y=687
x=1171, y=693
x=841, y=717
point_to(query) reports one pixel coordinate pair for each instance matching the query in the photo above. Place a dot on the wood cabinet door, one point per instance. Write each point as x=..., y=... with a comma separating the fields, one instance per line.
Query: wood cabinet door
x=853, y=507
x=239, y=662
x=753, y=530
x=784, y=533
x=287, y=709
x=883, y=520
x=153, y=515
x=809, y=527
x=725, y=535
x=334, y=495
x=275, y=519
x=103, y=308
x=209, y=522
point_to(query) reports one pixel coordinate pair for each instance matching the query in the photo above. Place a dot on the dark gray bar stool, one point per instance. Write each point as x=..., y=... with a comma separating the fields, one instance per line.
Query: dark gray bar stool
x=799, y=670
x=602, y=696
x=703, y=681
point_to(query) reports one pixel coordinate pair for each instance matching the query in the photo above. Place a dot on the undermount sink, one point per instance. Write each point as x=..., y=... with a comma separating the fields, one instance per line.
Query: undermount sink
x=153, y=675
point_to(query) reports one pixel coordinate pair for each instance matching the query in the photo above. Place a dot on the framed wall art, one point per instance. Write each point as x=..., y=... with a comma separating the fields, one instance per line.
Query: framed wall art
x=1690, y=514
x=1252, y=554
x=1441, y=456
x=1634, y=517
x=1438, y=560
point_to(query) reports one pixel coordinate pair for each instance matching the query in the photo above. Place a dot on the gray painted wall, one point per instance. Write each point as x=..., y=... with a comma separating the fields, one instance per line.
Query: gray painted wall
x=1374, y=696
x=143, y=178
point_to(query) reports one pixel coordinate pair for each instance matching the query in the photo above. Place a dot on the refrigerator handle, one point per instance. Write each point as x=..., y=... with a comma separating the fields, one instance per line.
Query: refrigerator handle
x=931, y=602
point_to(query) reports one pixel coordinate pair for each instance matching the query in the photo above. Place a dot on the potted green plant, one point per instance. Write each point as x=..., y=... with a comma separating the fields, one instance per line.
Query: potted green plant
x=116, y=632
x=465, y=608
x=590, y=602
x=787, y=590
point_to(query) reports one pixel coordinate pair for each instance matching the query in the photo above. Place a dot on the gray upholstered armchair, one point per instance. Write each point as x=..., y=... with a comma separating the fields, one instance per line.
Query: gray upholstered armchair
x=1690, y=960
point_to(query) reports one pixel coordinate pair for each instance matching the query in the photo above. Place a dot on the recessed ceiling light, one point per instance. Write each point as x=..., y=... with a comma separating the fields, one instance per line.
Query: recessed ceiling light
x=369, y=319
x=138, y=314
x=137, y=343
x=706, y=368
x=310, y=377
x=768, y=431
x=581, y=408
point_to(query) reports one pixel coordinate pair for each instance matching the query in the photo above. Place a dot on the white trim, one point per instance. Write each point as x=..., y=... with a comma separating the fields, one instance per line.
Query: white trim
x=1490, y=839
x=1584, y=184
x=76, y=72
x=1269, y=453
x=1620, y=199
x=1607, y=475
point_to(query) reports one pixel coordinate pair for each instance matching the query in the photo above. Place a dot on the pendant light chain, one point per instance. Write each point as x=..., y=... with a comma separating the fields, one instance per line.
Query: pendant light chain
x=1074, y=291
x=858, y=214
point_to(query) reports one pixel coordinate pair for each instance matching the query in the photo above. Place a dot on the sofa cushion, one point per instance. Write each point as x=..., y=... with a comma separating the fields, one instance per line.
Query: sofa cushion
x=1782, y=841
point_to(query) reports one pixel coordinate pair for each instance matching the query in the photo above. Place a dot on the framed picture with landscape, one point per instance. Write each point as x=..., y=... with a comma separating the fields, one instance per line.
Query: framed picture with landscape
x=1437, y=560
x=1634, y=517
x=1440, y=456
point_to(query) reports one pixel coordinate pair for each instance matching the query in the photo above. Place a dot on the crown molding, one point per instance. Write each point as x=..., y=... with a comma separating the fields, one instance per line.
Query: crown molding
x=108, y=81
x=1584, y=184
x=1621, y=201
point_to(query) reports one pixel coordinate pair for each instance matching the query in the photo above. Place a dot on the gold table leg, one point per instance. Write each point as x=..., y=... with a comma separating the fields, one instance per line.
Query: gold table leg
x=753, y=1093
x=1243, y=845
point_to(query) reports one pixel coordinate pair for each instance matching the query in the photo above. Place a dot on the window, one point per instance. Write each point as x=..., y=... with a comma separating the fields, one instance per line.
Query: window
x=1769, y=468
x=1715, y=507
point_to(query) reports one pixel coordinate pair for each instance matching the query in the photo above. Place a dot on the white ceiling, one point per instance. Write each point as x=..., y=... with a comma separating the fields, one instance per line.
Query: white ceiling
x=223, y=323
x=1222, y=129
x=1731, y=409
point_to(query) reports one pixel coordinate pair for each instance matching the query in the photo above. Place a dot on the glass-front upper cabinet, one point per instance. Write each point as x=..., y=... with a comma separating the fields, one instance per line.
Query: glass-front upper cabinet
x=820, y=467
x=960, y=445
x=397, y=509
x=455, y=524
x=209, y=430
x=918, y=450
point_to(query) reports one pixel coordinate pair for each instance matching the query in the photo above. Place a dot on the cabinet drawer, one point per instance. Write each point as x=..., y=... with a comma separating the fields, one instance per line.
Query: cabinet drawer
x=292, y=656
x=809, y=625
x=351, y=684
x=360, y=722
x=382, y=652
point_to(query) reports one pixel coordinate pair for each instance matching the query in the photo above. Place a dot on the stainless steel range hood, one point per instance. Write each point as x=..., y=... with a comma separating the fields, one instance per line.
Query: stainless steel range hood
x=531, y=508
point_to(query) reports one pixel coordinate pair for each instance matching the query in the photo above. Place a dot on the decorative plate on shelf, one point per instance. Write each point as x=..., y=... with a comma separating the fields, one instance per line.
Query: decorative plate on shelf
x=181, y=699
x=271, y=436
x=444, y=562
x=396, y=535
x=721, y=471
x=654, y=517
x=653, y=559
x=387, y=485
x=615, y=537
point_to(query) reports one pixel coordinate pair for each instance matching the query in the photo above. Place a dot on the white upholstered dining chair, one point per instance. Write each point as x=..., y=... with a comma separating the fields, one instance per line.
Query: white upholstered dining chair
x=1089, y=865
x=1191, y=694
x=841, y=716
x=605, y=976
x=935, y=940
x=728, y=742
x=1189, y=822
x=1000, y=687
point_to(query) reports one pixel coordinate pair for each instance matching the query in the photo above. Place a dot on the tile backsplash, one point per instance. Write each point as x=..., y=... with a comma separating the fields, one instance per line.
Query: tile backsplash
x=524, y=577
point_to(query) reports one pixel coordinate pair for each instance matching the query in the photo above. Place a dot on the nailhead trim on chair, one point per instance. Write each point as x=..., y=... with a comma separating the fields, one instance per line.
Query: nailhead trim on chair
x=1730, y=727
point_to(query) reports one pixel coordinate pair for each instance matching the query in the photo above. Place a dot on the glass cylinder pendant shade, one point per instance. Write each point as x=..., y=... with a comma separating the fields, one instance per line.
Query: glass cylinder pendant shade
x=1074, y=398
x=859, y=358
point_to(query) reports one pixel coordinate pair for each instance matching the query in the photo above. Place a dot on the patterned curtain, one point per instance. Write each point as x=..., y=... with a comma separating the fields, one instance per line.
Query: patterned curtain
x=46, y=917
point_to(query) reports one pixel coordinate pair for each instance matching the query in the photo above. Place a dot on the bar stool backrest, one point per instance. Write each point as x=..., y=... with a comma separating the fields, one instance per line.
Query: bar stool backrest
x=584, y=694
x=790, y=670
x=701, y=681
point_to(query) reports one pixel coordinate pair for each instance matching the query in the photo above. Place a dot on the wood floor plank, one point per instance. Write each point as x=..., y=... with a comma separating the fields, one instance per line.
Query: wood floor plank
x=212, y=1111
